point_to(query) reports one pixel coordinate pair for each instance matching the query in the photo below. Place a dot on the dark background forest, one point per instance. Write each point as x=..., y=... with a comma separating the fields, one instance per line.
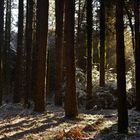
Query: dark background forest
x=69, y=69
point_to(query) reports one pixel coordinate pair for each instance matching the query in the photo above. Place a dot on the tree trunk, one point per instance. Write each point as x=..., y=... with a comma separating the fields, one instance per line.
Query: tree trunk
x=28, y=41
x=102, y=43
x=7, y=47
x=34, y=54
x=137, y=52
x=121, y=80
x=71, y=109
x=41, y=46
x=59, y=50
x=18, y=68
x=89, y=51
x=1, y=46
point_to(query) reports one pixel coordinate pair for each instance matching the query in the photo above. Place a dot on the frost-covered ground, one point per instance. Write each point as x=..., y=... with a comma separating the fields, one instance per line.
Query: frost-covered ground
x=17, y=123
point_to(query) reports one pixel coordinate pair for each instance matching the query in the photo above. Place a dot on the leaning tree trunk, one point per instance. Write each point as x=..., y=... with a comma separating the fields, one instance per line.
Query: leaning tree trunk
x=121, y=80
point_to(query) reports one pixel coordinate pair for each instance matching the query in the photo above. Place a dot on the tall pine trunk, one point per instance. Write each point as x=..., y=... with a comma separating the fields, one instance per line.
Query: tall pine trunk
x=121, y=80
x=102, y=43
x=137, y=52
x=41, y=46
x=18, y=68
x=34, y=51
x=89, y=51
x=71, y=109
x=1, y=46
x=59, y=5
x=28, y=46
x=7, y=47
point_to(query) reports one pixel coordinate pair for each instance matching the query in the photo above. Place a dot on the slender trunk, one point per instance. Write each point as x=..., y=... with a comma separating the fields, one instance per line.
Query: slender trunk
x=18, y=68
x=1, y=46
x=131, y=27
x=59, y=50
x=96, y=54
x=28, y=41
x=137, y=52
x=33, y=67
x=7, y=47
x=102, y=43
x=121, y=80
x=89, y=51
x=78, y=44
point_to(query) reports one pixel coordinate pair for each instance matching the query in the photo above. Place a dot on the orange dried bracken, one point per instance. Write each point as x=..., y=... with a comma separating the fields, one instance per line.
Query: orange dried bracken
x=76, y=132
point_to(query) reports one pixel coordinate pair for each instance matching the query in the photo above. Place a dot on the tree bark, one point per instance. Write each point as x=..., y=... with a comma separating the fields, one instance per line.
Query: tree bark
x=71, y=109
x=18, y=68
x=28, y=46
x=89, y=51
x=59, y=50
x=1, y=46
x=121, y=79
x=137, y=52
x=7, y=47
x=102, y=43
x=41, y=46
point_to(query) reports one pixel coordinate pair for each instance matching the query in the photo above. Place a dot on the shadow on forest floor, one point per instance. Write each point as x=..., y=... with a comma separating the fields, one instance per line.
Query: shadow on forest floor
x=18, y=123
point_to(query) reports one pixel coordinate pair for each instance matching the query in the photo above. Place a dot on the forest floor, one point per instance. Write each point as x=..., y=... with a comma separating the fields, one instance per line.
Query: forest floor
x=17, y=123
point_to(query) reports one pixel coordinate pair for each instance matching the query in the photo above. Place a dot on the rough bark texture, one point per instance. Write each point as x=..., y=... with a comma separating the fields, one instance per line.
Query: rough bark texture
x=7, y=47
x=41, y=46
x=71, y=109
x=59, y=50
x=1, y=45
x=137, y=52
x=34, y=55
x=18, y=68
x=102, y=43
x=89, y=50
x=28, y=41
x=121, y=80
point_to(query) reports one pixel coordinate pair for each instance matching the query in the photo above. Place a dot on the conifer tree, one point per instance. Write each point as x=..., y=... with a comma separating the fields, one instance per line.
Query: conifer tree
x=71, y=109
x=121, y=79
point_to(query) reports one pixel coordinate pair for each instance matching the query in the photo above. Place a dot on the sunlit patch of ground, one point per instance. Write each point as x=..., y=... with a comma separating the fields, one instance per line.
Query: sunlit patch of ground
x=18, y=123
